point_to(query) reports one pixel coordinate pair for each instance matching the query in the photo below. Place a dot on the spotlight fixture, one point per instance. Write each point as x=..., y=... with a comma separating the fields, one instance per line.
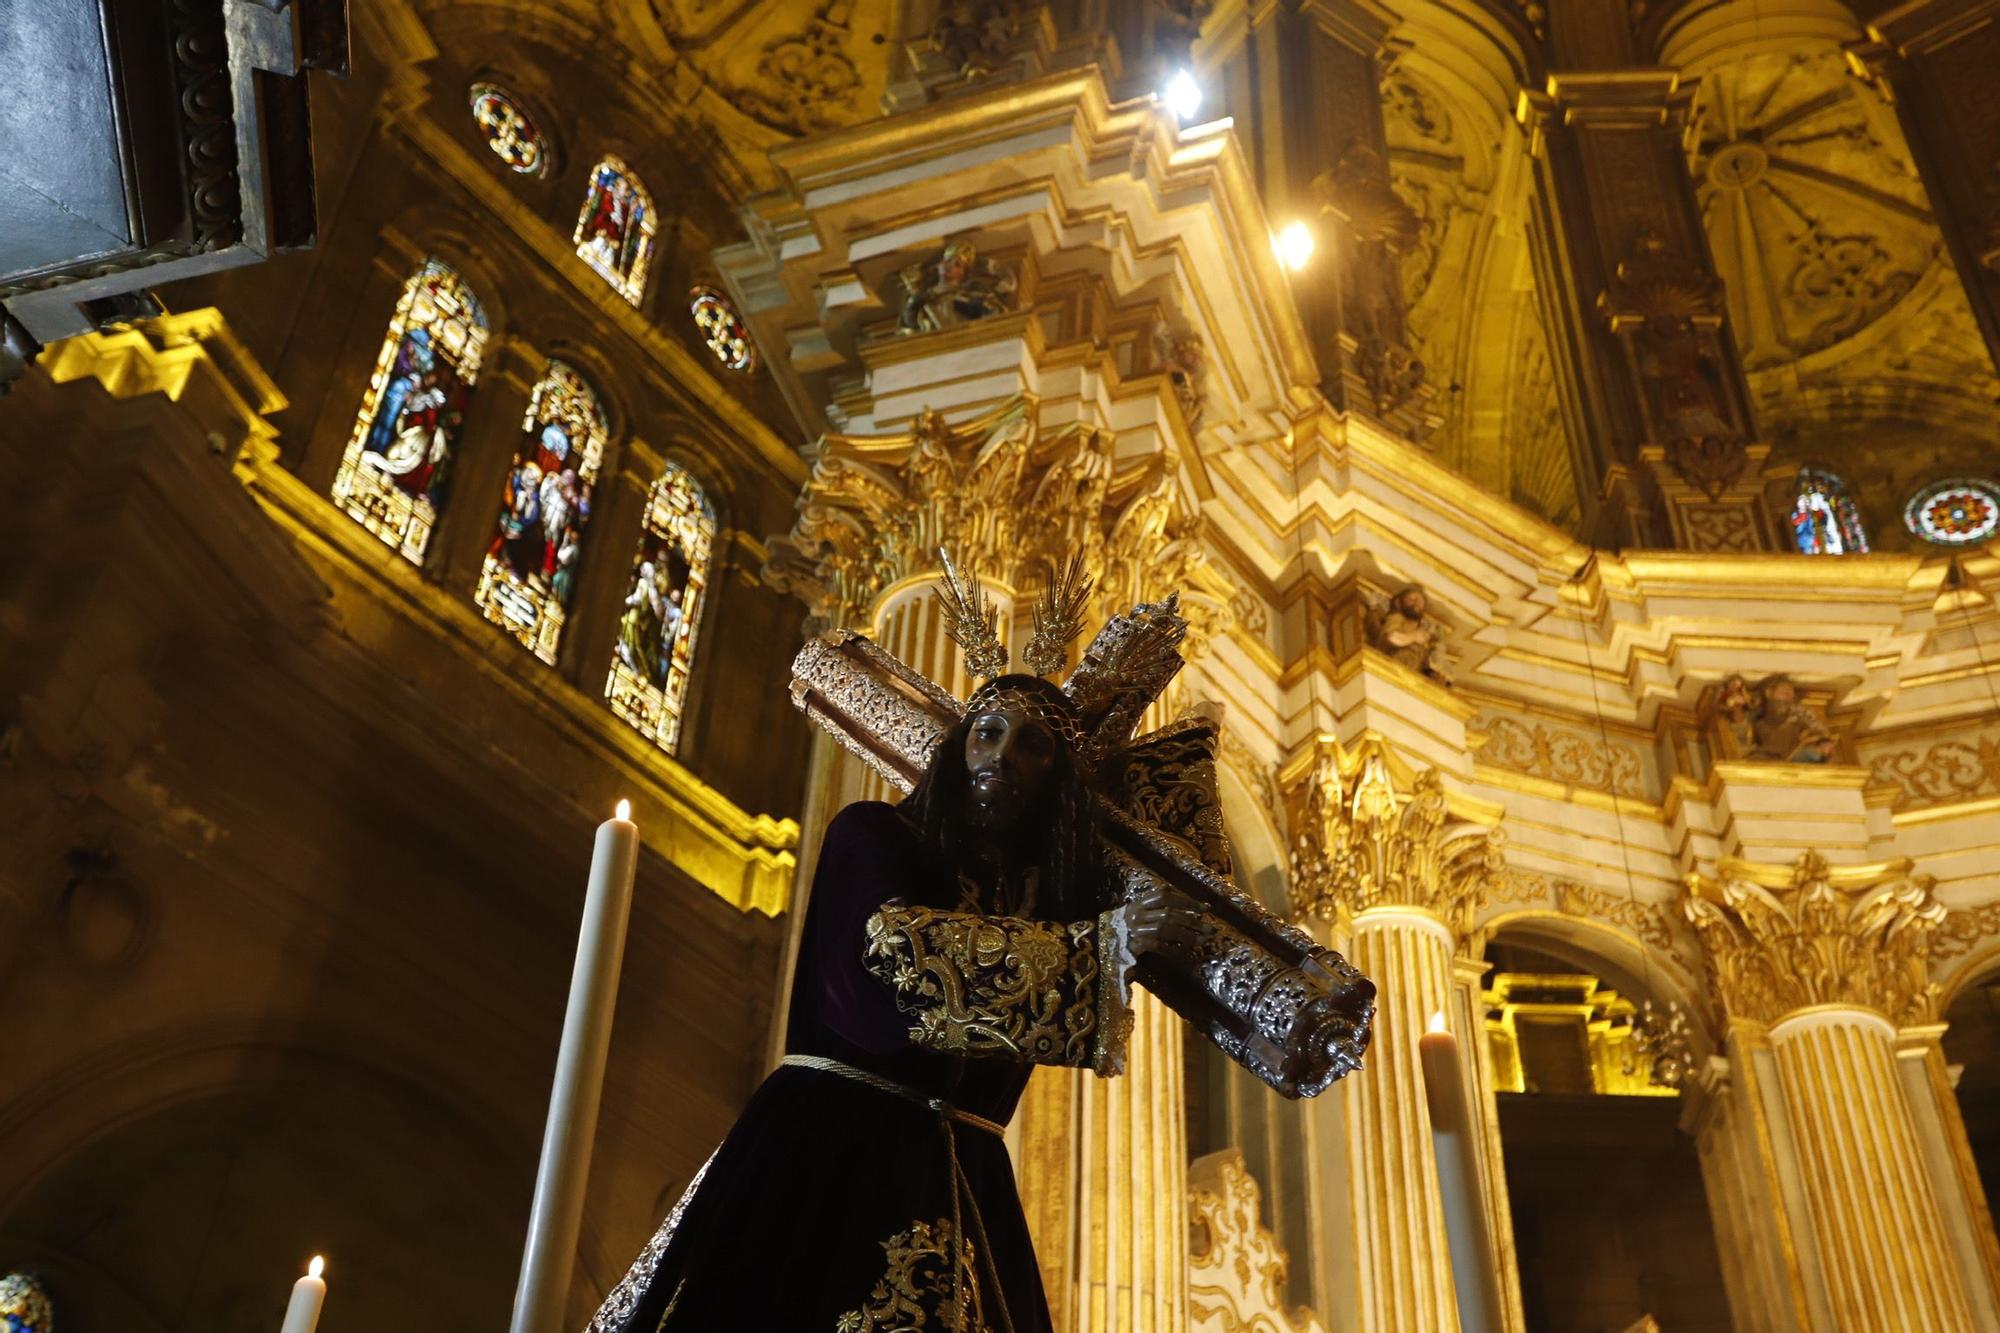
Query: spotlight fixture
x=1293, y=245
x=1182, y=96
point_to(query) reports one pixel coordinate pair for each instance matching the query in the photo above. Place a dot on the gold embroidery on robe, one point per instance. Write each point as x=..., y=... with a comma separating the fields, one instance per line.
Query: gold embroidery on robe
x=984, y=985
x=915, y=1294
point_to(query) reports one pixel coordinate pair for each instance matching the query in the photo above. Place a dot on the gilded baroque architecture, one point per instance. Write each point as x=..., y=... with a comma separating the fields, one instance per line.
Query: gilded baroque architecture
x=1569, y=428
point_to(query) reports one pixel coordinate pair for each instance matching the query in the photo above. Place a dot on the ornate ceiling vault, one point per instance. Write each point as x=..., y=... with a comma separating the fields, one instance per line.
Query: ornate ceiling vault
x=1840, y=295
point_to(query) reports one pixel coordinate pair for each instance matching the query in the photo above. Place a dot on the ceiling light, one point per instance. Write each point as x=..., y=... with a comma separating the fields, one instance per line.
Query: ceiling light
x=1294, y=245
x=1182, y=96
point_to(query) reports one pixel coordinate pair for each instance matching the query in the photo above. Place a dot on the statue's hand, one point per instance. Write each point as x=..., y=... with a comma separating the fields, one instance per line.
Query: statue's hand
x=1164, y=922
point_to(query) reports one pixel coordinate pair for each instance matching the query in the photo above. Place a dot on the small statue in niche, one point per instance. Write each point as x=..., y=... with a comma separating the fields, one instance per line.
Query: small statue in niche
x=1404, y=628
x=956, y=288
x=1785, y=729
x=976, y=36
x=1181, y=357
x=1769, y=721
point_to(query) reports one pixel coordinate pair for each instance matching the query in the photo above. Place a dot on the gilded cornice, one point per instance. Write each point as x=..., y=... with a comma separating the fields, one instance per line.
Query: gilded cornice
x=1044, y=140
x=1780, y=939
x=194, y=360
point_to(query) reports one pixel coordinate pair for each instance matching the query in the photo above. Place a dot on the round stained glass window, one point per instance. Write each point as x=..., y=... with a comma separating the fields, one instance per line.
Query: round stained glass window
x=509, y=130
x=1957, y=511
x=722, y=328
x=24, y=1306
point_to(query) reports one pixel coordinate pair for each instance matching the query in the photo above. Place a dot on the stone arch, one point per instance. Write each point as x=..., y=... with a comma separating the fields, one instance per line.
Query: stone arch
x=1627, y=963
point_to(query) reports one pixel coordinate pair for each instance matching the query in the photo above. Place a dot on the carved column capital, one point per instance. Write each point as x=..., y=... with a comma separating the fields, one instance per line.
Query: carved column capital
x=1370, y=832
x=1782, y=939
x=1008, y=499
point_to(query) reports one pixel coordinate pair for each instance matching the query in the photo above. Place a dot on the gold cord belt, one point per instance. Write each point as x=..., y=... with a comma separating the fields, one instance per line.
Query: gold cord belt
x=890, y=1086
x=962, y=1198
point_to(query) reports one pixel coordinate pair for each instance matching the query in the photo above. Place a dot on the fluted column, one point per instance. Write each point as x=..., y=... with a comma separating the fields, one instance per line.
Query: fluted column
x=1824, y=963
x=1875, y=1215
x=1378, y=856
x=1399, y=1237
x=1103, y=1171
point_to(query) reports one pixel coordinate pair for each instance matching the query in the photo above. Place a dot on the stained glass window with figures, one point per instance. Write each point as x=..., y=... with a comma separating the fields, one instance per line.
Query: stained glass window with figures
x=661, y=611
x=395, y=476
x=614, y=233
x=1824, y=519
x=722, y=329
x=529, y=575
x=508, y=129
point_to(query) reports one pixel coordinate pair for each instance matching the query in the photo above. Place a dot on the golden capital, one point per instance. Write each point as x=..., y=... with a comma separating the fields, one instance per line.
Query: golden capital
x=1009, y=500
x=1784, y=938
x=1370, y=832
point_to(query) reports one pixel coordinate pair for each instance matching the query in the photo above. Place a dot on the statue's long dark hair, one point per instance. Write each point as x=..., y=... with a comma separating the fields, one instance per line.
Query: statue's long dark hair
x=1072, y=876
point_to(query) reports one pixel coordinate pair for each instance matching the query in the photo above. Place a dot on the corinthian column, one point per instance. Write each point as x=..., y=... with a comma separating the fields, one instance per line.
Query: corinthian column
x=1825, y=965
x=1378, y=858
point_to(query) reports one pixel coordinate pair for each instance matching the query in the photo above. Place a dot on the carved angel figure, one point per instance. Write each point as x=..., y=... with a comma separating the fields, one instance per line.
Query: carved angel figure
x=1404, y=629
x=956, y=288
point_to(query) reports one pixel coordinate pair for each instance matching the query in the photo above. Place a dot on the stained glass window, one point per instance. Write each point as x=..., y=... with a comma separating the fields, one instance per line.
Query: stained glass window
x=722, y=328
x=1824, y=520
x=24, y=1306
x=614, y=234
x=530, y=570
x=662, y=609
x=1958, y=511
x=510, y=131
x=396, y=474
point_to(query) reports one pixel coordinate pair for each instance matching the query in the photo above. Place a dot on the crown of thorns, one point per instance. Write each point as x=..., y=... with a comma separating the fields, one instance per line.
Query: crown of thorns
x=1123, y=671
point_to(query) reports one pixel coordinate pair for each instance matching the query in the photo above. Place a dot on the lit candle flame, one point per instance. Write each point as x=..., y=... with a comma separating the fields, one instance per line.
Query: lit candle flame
x=316, y=1267
x=624, y=809
x=1437, y=1021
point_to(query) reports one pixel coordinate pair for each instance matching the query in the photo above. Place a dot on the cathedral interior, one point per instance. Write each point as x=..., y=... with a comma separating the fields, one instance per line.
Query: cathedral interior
x=1572, y=430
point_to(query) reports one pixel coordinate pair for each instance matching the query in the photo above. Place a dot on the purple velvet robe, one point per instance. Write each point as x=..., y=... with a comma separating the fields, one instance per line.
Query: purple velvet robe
x=829, y=1208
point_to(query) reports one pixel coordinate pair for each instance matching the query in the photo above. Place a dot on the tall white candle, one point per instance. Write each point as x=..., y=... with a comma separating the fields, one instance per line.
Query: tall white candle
x=1475, y=1268
x=308, y=1295
x=557, y=1213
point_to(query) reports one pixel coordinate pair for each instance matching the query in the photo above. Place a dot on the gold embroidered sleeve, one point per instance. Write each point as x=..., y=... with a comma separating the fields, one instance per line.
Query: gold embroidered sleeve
x=1043, y=991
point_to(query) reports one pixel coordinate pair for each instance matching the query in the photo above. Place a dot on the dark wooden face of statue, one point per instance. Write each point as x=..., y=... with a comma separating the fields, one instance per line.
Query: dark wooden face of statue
x=1010, y=765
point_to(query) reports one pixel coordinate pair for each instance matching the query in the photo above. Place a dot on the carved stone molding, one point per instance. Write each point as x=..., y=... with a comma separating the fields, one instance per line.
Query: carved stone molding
x=806, y=80
x=1940, y=773
x=1647, y=922
x=1779, y=940
x=1364, y=838
x=1560, y=756
x=1236, y=1269
x=1008, y=499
